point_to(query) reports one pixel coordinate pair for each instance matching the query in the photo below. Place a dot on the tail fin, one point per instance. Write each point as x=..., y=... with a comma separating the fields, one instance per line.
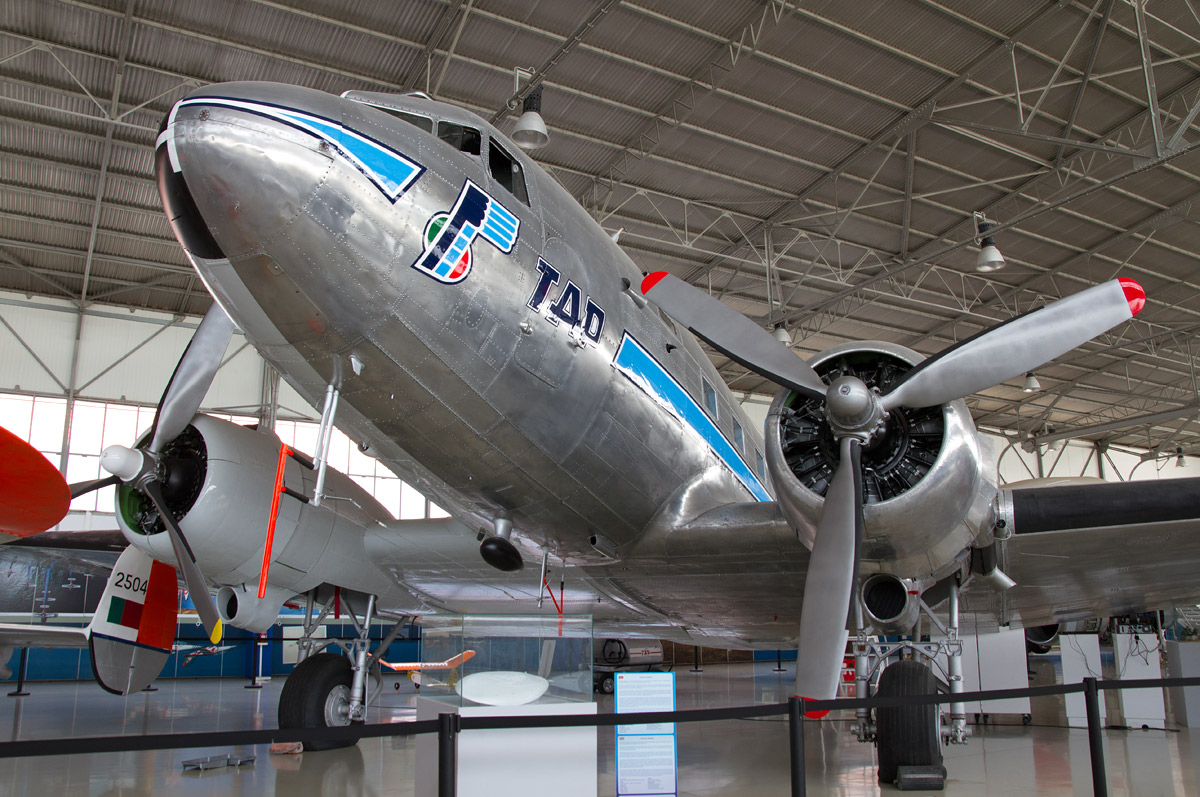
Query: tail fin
x=132, y=632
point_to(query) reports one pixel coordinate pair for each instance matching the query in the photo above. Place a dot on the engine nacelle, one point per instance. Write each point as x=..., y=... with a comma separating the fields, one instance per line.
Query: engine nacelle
x=927, y=491
x=891, y=604
x=1041, y=638
x=220, y=482
x=240, y=606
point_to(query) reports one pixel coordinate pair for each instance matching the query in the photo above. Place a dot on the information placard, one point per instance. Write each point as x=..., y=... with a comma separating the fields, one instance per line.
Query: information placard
x=646, y=753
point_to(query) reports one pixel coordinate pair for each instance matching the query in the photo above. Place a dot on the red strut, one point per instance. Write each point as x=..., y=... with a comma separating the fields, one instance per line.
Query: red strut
x=284, y=452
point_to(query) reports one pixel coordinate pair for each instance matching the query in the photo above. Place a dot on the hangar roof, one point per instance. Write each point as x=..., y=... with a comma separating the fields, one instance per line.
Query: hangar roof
x=816, y=164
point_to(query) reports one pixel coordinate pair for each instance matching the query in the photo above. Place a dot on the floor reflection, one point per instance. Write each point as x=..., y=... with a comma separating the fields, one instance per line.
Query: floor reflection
x=729, y=758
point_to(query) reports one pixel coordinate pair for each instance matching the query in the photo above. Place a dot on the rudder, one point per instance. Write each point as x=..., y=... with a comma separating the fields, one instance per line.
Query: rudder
x=133, y=630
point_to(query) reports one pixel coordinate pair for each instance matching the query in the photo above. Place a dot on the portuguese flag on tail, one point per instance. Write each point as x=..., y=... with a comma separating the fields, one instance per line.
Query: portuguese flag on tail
x=125, y=613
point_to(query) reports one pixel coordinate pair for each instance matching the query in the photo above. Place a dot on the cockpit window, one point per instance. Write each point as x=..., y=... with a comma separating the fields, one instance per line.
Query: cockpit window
x=506, y=171
x=465, y=139
x=423, y=122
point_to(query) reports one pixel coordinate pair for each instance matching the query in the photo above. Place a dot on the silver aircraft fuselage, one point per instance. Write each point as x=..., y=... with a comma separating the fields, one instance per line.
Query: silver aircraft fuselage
x=486, y=335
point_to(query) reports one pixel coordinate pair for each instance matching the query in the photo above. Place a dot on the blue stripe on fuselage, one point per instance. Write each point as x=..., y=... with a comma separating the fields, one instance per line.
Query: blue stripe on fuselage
x=646, y=372
x=391, y=171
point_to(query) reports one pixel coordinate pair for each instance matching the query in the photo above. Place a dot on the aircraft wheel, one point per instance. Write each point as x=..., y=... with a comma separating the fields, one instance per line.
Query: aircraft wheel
x=906, y=735
x=317, y=695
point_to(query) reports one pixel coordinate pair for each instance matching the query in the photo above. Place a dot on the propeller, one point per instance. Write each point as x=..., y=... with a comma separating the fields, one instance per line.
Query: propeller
x=857, y=413
x=144, y=468
x=33, y=495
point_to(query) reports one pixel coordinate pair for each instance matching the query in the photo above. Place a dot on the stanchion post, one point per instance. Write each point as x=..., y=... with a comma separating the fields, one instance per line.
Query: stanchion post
x=21, y=670
x=796, y=732
x=1095, y=740
x=696, y=658
x=447, y=755
x=779, y=661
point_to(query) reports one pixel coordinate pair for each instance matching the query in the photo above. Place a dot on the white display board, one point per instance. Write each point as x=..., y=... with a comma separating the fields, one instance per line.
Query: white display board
x=512, y=762
x=647, y=762
x=1080, y=659
x=996, y=661
x=1136, y=656
x=1183, y=660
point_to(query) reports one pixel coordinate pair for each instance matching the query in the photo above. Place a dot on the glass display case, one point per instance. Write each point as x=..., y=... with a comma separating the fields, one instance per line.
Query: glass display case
x=506, y=659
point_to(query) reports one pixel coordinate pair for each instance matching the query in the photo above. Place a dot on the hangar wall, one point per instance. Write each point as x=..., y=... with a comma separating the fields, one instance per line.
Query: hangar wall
x=121, y=365
x=125, y=357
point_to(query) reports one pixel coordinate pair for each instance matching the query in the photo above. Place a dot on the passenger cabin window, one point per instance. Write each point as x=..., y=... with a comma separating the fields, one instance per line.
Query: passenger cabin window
x=507, y=172
x=739, y=439
x=464, y=139
x=758, y=465
x=423, y=122
x=710, y=397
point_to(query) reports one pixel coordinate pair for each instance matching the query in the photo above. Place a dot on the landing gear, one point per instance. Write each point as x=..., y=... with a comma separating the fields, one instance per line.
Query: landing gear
x=331, y=690
x=907, y=736
x=317, y=695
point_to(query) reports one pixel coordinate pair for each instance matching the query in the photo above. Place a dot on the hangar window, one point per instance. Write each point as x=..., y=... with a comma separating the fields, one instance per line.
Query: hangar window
x=710, y=397
x=463, y=138
x=506, y=171
x=739, y=439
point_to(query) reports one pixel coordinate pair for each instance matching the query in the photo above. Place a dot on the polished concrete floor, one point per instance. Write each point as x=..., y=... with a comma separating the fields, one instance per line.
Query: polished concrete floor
x=737, y=757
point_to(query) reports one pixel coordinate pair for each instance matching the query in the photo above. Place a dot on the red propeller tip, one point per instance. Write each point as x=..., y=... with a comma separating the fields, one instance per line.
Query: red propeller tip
x=651, y=280
x=1133, y=294
x=813, y=715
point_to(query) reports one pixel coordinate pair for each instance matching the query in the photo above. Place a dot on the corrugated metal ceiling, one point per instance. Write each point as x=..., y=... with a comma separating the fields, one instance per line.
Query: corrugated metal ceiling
x=857, y=138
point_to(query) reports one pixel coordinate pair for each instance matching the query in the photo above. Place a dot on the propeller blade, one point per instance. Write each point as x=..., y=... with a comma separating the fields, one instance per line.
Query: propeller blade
x=1017, y=346
x=33, y=495
x=192, y=378
x=731, y=333
x=192, y=576
x=83, y=488
x=832, y=572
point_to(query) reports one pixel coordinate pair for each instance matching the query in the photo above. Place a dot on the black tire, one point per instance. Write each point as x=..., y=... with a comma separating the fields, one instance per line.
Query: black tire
x=906, y=735
x=310, y=692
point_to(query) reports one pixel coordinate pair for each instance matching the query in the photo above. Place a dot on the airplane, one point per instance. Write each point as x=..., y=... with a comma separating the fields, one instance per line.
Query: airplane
x=407, y=268
x=190, y=653
x=417, y=666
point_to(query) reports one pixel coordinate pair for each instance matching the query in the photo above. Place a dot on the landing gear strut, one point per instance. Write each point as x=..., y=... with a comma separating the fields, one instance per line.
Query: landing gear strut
x=330, y=690
x=909, y=737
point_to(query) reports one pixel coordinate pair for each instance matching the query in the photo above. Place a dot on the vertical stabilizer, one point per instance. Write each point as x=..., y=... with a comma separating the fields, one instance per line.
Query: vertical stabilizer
x=132, y=632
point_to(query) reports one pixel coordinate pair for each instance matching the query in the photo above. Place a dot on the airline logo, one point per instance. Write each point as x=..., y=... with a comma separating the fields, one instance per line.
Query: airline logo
x=391, y=171
x=448, y=236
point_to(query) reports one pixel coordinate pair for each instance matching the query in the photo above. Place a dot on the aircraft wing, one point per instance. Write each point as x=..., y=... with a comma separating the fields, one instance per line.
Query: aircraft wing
x=42, y=636
x=1096, y=550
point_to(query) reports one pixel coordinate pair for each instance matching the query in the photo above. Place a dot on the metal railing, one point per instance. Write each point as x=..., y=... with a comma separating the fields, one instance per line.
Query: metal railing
x=449, y=725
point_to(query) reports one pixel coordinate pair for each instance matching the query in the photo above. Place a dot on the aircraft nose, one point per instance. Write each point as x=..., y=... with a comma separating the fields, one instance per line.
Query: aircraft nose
x=232, y=172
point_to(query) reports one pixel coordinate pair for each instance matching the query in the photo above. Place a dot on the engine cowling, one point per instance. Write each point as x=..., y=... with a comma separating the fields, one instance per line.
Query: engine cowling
x=220, y=480
x=928, y=495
